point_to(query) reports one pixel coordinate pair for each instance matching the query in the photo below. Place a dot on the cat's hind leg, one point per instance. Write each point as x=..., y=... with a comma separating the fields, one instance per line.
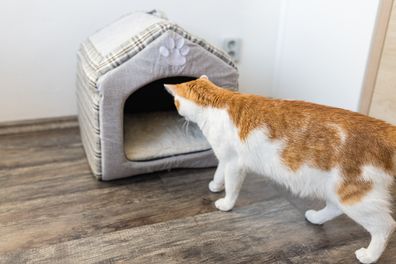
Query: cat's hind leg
x=329, y=212
x=373, y=213
x=217, y=184
x=234, y=175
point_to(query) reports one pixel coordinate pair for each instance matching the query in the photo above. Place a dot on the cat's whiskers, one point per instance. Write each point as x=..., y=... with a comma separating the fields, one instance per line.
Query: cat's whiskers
x=204, y=125
x=186, y=125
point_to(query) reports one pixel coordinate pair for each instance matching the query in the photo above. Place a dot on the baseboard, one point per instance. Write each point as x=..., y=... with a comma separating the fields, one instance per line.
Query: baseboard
x=38, y=125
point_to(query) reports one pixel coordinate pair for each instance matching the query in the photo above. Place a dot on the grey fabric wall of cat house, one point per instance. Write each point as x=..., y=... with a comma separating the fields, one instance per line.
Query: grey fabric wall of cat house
x=128, y=122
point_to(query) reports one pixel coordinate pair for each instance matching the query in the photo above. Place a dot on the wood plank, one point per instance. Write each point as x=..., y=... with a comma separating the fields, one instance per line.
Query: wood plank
x=73, y=204
x=26, y=126
x=264, y=232
x=38, y=148
x=340, y=253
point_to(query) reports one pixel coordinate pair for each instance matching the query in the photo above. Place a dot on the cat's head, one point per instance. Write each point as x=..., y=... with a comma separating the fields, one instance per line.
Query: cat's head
x=192, y=97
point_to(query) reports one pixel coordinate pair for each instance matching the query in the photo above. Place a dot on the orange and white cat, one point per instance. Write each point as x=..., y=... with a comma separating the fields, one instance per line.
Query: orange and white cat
x=342, y=157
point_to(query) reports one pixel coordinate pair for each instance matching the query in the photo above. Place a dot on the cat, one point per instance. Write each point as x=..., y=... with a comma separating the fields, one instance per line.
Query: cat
x=342, y=157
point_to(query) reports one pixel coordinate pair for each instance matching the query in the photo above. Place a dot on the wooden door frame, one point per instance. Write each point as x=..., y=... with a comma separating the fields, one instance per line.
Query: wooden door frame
x=374, y=58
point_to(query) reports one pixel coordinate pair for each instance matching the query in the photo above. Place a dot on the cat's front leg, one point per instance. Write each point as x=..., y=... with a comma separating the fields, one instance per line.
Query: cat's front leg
x=234, y=175
x=217, y=184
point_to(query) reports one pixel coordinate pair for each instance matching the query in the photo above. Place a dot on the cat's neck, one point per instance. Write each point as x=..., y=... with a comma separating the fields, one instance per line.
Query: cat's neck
x=201, y=118
x=209, y=119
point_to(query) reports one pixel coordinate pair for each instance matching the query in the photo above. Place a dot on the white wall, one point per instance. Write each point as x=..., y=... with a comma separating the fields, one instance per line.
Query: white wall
x=259, y=34
x=314, y=50
x=322, y=50
x=39, y=39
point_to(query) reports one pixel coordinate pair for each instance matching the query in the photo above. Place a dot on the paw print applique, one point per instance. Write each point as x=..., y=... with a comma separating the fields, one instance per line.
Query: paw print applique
x=174, y=50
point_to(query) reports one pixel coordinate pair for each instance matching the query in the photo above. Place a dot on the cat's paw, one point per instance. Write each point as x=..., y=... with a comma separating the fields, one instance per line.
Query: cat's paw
x=312, y=217
x=214, y=187
x=364, y=256
x=223, y=205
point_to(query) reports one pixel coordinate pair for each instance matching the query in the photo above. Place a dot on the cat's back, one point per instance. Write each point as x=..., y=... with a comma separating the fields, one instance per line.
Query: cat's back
x=290, y=115
x=320, y=135
x=352, y=124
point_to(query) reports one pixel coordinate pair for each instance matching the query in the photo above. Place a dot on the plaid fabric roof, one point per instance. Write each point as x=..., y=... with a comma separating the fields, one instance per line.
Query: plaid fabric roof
x=98, y=65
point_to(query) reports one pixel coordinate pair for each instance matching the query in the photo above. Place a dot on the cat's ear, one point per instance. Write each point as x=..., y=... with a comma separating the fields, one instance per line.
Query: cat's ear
x=171, y=88
x=204, y=77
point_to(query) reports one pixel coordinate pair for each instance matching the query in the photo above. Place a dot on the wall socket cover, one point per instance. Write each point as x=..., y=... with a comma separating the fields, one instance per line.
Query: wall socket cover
x=233, y=48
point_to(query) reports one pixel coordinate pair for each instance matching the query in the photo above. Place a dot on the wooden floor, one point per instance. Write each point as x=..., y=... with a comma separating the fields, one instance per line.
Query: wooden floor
x=53, y=211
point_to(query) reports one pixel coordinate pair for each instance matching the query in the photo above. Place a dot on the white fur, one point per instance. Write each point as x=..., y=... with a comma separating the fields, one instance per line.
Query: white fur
x=261, y=155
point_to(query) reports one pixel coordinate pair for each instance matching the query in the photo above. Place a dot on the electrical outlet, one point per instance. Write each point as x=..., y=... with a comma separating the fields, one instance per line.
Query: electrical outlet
x=233, y=48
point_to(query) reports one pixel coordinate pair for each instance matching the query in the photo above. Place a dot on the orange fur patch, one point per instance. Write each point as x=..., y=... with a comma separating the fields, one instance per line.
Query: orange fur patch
x=319, y=136
x=351, y=192
x=177, y=104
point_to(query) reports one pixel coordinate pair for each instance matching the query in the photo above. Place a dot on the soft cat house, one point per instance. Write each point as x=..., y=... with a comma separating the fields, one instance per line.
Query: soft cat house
x=128, y=122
